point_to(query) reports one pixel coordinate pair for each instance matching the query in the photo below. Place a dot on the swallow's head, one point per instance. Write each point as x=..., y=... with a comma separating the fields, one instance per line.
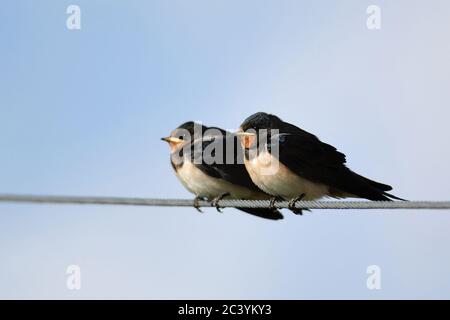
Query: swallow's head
x=183, y=135
x=250, y=128
x=261, y=120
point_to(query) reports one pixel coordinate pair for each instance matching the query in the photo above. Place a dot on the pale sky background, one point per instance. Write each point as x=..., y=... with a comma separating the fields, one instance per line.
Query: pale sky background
x=82, y=112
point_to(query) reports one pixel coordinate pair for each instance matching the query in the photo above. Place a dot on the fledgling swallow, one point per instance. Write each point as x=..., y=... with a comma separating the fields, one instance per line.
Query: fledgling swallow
x=218, y=180
x=307, y=168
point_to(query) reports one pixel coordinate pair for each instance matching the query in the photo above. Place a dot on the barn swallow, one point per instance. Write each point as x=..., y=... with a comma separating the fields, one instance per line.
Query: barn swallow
x=217, y=180
x=306, y=168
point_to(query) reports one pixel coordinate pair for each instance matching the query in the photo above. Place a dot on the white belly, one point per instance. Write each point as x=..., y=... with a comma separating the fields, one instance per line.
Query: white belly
x=199, y=183
x=280, y=181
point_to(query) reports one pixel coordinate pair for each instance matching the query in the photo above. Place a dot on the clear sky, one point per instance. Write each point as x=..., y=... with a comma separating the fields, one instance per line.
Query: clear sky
x=82, y=111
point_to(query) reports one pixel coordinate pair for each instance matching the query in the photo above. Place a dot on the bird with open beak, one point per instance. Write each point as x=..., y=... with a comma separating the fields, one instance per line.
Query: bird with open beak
x=209, y=177
x=303, y=167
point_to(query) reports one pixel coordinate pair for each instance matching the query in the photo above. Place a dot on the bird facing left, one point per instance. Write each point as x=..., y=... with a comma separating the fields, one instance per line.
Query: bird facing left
x=208, y=167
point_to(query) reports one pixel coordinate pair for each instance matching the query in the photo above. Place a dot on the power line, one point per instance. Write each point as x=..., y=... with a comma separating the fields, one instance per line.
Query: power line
x=51, y=199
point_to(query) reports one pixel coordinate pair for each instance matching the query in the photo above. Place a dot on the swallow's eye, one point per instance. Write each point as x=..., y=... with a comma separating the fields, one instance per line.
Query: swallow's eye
x=180, y=135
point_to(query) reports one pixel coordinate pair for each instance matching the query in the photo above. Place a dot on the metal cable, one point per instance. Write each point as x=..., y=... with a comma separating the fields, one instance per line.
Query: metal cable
x=46, y=199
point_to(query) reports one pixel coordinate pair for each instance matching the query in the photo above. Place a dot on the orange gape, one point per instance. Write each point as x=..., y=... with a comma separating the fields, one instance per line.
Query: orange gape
x=174, y=145
x=248, y=141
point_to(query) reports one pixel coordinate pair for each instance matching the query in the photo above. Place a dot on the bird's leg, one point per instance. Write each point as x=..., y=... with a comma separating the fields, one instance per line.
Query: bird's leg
x=292, y=202
x=197, y=204
x=215, y=201
x=272, y=202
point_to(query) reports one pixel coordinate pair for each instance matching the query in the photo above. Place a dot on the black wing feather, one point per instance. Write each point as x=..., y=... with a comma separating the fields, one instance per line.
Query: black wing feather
x=310, y=158
x=234, y=173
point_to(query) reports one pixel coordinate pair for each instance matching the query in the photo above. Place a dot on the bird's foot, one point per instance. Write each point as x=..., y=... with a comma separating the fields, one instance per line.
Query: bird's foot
x=292, y=202
x=215, y=201
x=272, y=202
x=197, y=203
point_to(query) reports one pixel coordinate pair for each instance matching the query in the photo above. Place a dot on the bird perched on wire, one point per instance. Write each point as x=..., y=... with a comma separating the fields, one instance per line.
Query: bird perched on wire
x=302, y=166
x=209, y=163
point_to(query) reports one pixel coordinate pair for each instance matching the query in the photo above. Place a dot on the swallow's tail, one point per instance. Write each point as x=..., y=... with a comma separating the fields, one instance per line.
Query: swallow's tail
x=265, y=213
x=363, y=187
x=391, y=196
x=377, y=185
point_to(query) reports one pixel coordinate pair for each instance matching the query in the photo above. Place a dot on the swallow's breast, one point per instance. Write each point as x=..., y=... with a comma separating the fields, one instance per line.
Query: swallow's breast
x=274, y=178
x=201, y=184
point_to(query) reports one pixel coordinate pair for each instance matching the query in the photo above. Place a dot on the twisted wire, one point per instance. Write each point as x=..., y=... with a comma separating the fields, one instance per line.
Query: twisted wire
x=155, y=202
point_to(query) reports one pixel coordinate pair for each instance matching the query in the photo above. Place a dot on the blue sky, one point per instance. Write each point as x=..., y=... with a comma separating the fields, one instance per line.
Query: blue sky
x=82, y=112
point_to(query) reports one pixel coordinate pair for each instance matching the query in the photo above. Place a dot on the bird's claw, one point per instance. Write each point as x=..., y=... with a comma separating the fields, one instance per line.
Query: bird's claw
x=215, y=201
x=197, y=204
x=272, y=202
x=292, y=202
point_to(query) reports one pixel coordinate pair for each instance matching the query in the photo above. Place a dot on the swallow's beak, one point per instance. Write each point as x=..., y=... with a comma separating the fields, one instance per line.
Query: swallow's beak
x=172, y=140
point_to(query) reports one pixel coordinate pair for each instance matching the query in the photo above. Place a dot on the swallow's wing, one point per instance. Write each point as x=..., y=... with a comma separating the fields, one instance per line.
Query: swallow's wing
x=305, y=154
x=222, y=157
x=312, y=159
